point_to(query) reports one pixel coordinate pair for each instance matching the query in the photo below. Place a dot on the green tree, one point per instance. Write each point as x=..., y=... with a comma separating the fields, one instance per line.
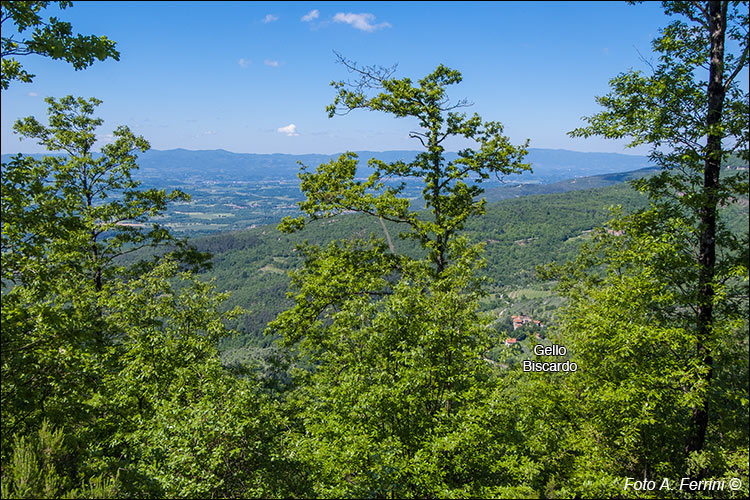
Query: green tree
x=393, y=342
x=169, y=417
x=630, y=327
x=450, y=189
x=51, y=38
x=38, y=466
x=675, y=285
x=112, y=383
x=66, y=219
x=94, y=345
x=96, y=200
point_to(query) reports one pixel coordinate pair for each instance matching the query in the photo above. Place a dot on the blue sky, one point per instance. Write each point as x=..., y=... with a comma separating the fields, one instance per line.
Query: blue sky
x=254, y=76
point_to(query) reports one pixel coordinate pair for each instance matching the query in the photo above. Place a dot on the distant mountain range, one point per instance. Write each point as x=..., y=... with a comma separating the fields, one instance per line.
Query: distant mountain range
x=163, y=167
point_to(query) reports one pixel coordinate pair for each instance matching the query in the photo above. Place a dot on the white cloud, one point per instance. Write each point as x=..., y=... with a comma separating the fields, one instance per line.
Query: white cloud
x=32, y=94
x=360, y=21
x=244, y=63
x=273, y=64
x=290, y=130
x=270, y=18
x=311, y=16
x=205, y=133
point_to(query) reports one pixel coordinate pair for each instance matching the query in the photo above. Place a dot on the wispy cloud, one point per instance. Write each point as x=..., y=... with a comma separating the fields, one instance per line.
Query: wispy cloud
x=269, y=18
x=273, y=64
x=32, y=94
x=360, y=21
x=290, y=130
x=205, y=133
x=244, y=63
x=311, y=16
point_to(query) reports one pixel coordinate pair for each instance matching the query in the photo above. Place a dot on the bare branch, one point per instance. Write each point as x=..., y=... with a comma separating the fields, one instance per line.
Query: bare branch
x=461, y=103
x=416, y=135
x=371, y=76
x=739, y=67
x=644, y=60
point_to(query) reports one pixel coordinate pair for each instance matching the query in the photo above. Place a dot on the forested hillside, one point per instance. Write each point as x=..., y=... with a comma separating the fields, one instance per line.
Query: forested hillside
x=395, y=335
x=518, y=234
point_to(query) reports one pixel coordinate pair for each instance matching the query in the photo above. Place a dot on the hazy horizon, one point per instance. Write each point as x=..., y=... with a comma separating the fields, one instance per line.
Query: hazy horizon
x=262, y=83
x=623, y=153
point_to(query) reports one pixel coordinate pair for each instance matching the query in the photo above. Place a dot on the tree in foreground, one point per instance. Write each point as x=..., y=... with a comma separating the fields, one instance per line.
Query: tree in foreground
x=111, y=378
x=658, y=311
x=51, y=38
x=388, y=407
x=66, y=219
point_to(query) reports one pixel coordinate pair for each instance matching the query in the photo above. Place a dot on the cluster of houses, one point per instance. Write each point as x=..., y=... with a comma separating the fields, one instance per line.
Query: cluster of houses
x=518, y=322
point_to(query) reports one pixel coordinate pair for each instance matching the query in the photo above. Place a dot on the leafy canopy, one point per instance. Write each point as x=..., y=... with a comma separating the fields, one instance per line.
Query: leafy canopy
x=51, y=38
x=657, y=316
x=393, y=343
x=80, y=201
x=451, y=189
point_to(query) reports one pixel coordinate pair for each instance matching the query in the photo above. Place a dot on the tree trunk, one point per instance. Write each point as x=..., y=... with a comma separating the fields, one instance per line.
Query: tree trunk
x=704, y=326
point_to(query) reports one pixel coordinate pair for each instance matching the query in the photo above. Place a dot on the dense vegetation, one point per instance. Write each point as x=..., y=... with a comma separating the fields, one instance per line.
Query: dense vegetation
x=387, y=379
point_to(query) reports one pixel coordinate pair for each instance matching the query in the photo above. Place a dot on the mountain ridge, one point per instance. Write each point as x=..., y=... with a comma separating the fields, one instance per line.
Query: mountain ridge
x=162, y=166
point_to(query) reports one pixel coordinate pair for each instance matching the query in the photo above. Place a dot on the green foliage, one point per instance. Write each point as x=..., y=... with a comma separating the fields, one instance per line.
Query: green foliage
x=657, y=311
x=118, y=356
x=84, y=203
x=631, y=329
x=51, y=38
x=397, y=374
x=450, y=188
x=64, y=223
x=180, y=425
x=385, y=382
x=393, y=342
x=39, y=468
x=32, y=471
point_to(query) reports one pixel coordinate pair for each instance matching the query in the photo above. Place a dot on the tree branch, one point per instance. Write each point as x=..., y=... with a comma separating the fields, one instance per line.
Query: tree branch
x=417, y=135
x=703, y=23
x=370, y=74
x=737, y=70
